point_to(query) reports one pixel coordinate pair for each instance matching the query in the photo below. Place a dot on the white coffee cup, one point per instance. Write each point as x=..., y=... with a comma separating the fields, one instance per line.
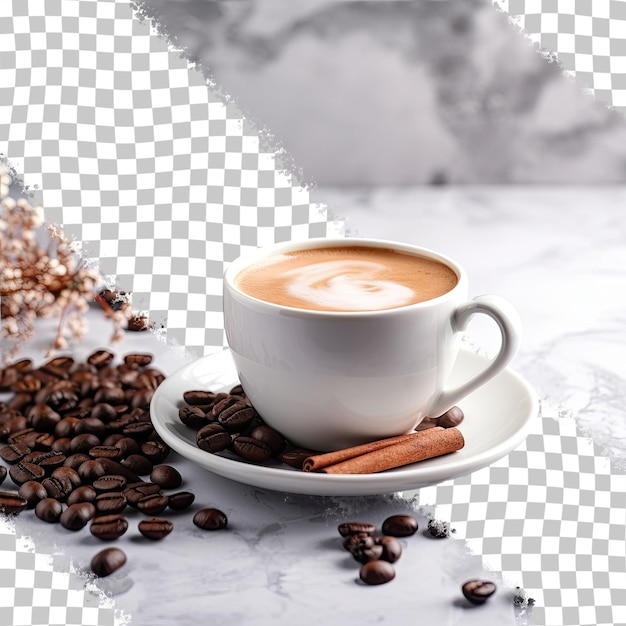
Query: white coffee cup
x=330, y=379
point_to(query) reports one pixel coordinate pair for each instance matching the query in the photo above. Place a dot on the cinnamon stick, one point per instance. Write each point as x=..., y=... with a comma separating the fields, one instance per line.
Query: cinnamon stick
x=319, y=461
x=413, y=448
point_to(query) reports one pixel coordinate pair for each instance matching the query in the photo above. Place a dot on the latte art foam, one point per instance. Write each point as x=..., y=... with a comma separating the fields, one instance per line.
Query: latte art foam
x=346, y=285
x=351, y=278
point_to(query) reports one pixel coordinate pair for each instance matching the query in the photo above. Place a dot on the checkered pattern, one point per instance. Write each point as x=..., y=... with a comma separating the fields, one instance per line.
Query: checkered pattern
x=33, y=591
x=138, y=159
x=551, y=516
x=588, y=37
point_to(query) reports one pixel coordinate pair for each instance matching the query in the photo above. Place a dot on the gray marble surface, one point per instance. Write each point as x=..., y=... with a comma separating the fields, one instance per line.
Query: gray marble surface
x=559, y=256
x=385, y=92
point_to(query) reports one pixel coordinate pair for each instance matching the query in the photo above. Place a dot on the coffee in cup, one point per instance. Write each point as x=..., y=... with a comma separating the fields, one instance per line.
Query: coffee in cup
x=342, y=341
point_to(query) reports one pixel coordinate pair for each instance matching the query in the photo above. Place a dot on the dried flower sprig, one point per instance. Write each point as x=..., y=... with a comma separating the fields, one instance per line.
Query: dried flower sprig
x=38, y=282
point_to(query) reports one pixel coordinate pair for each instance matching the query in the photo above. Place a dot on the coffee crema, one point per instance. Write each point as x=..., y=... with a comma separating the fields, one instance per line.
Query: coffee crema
x=350, y=278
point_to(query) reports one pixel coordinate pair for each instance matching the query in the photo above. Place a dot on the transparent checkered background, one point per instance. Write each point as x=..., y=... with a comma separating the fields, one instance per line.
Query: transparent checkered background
x=164, y=183
x=139, y=160
x=551, y=516
x=587, y=36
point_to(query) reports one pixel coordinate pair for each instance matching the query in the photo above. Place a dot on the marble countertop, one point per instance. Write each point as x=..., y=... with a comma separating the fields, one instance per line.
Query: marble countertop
x=558, y=254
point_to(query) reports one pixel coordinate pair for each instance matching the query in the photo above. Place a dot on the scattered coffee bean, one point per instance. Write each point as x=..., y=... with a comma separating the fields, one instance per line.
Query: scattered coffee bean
x=251, y=449
x=109, y=527
x=136, y=491
x=138, y=359
x=353, y=528
x=57, y=488
x=391, y=548
x=138, y=464
x=3, y=473
x=12, y=503
x=76, y=460
x=194, y=417
x=155, y=451
x=33, y=491
x=107, y=561
x=400, y=526
x=91, y=470
x=358, y=541
x=213, y=438
x=166, y=476
x=152, y=504
x=49, y=510
x=120, y=469
x=196, y=397
x=85, y=493
x=110, y=482
x=270, y=437
x=181, y=500
x=377, y=573
x=14, y=452
x=23, y=472
x=100, y=358
x=451, y=418
x=76, y=516
x=127, y=446
x=110, y=502
x=210, y=519
x=233, y=414
x=365, y=555
x=155, y=528
x=478, y=591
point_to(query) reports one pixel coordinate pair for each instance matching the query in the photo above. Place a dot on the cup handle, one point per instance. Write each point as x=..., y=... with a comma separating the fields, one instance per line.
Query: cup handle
x=510, y=326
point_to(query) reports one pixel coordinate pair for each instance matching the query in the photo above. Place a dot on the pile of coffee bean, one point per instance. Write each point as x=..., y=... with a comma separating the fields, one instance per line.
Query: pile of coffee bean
x=80, y=448
x=377, y=553
x=227, y=421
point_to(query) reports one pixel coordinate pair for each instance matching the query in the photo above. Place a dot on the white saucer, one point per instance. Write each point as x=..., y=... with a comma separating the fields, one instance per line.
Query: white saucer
x=496, y=421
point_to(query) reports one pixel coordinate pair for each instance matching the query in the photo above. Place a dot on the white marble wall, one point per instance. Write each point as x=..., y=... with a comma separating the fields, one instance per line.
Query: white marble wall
x=387, y=92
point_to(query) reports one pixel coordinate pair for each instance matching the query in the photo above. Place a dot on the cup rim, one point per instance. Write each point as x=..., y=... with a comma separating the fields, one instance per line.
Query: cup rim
x=252, y=256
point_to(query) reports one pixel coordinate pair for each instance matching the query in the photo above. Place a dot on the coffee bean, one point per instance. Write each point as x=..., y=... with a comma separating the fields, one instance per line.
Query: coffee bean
x=69, y=474
x=111, y=440
x=91, y=470
x=76, y=460
x=66, y=427
x=28, y=384
x=109, y=527
x=377, y=573
x=270, y=437
x=14, y=452
x=109, y=395
x=76, y=516
x=104, y=412
x=127, y=446
x=210, y=519
x=400, y=526
x=358, y=541
x=153, y=504
x=3, y=473
x=194, y=417
x=49, y=460
x=137, y=323
x=84, y=442
x=62, y=445
x=107, y=561
x=365, y=555
x=451, y=418
x=110, y=502
x=141, y=399
x=85, y=493
x=155, y=528
x=49, y=510
x=23, y=472
x=57, y=488
x=136, y=491
x=181, y=500
x=121, y=469
x=200, y=396
x=478, y=591
x=138, y=464
x=166, y=476
x=93, y=426
x=100, y=358
x=353, y=528
x=251, y=449
x=27, y=436
x=295, y=458
x=155, y=451
x=109, y=452
x=237, y=390
x=43, y=441
x=19, y=401
x=139, y=431
x=392, y=549
x=109, y=482
x=213, y=438
x=138, y=359
x=233, y=414
x=42, y=417
x=12, y=503
x=32, y=491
